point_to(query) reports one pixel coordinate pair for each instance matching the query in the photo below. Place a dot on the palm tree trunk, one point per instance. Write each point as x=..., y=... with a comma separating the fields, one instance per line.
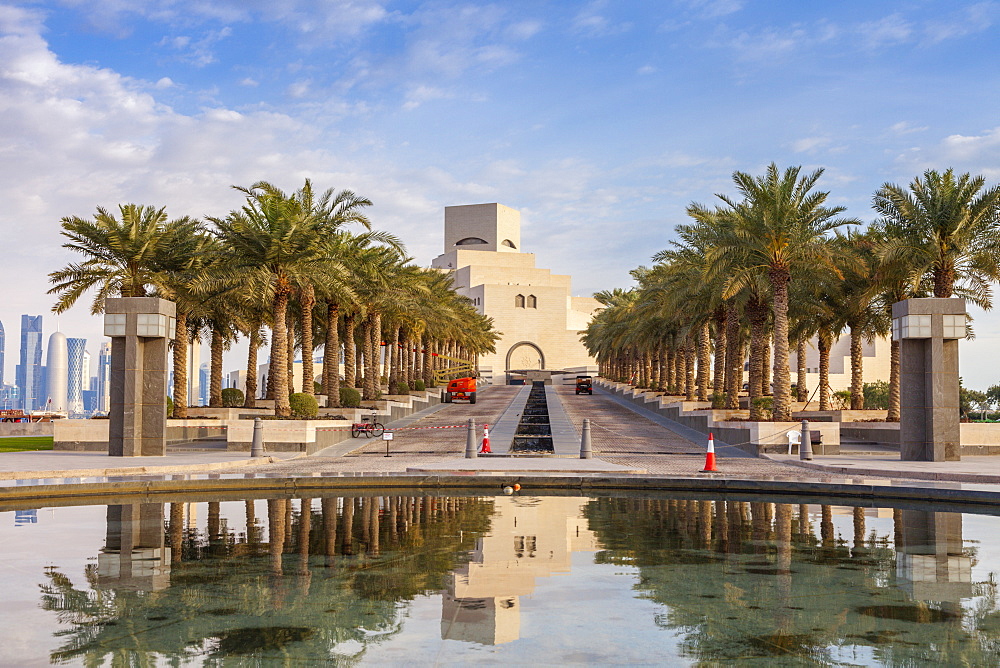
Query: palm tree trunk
x=734, y=357
x=757, y=311
x=680, y=348
x=392, y=357
x=428, y=364
x=857, y=372
x=279, y=349
x=350, y=380
x=825, y=339
x=308, y=297
x=331, y=356
x=290, y=340
x=719, y=372
x=668, y=361
x=371, y=358
x=893, y=415
x=664, y=362
x=654, y=368
x=250, y=399
x=765, y=370
x=377, y=350
x=782, y=379
x=704, y=360
x=180, y=365
x=801, y=390
x=215, y=370
x=689, y=357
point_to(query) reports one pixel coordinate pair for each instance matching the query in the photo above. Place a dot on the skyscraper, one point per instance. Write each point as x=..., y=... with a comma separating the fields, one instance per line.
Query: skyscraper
x=2, y=346
x=57, y=373
x=79, y=374
x=104, y=378
x=29, y=371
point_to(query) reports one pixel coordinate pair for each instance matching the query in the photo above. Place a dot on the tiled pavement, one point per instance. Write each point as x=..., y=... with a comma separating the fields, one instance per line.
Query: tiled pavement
x=618, y=435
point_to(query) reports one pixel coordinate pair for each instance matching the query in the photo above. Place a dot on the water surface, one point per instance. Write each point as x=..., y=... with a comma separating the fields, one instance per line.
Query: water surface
x=514, y=580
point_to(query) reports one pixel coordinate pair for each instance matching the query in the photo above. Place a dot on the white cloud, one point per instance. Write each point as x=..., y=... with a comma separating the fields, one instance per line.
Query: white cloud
x=163, y=83
x=906, y=128
x=592, y=22
x=969, y=20
x=646, y=69
x=810, y=144
x=198, y=52
x=891, y=30
x=421, y=94
x=977, y=154
x=712, y=9
x=299, y=89
x=524, y=29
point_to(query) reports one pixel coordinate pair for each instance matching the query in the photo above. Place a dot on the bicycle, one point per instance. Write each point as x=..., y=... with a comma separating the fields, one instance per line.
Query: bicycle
x=370, y=429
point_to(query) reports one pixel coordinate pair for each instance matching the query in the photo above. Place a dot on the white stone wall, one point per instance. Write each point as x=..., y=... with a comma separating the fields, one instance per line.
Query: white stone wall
x=530, y=306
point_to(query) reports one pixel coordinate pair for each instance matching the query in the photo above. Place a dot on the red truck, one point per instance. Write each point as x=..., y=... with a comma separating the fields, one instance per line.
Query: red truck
x=460, y=388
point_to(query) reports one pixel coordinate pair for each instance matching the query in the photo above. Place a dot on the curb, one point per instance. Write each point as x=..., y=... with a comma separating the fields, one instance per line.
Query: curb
x=861, y=493
x=888, y=473
x=135, y=470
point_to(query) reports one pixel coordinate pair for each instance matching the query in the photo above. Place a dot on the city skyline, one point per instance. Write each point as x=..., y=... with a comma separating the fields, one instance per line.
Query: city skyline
x=599, y=121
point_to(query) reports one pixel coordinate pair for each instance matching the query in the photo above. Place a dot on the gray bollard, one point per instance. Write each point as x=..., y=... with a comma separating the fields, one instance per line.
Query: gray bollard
x=257, y=445
x=471, y=452
x=805, y=443
x=586, y=451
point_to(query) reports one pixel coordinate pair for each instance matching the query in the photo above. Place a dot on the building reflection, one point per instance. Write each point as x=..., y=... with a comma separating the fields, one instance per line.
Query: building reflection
x=529, y=538
x=135, y=556
x=931, y=563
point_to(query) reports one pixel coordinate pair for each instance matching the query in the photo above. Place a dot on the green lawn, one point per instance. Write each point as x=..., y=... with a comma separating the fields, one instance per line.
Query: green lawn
x=25, y=444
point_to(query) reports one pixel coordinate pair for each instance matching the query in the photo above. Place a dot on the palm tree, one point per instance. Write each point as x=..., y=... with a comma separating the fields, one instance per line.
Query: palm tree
x=778, y=227
x=945, y=227
x=131, y=257
x=272, y=239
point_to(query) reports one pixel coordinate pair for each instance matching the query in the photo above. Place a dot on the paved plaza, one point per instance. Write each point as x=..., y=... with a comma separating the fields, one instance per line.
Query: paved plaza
x=434, y=438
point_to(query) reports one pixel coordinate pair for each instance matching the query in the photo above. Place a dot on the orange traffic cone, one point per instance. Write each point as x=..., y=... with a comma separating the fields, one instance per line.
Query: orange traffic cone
x=710, y=456
x=485, y=449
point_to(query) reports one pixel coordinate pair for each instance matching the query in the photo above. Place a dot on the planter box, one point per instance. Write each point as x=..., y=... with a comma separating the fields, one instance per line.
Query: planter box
x=29, y=428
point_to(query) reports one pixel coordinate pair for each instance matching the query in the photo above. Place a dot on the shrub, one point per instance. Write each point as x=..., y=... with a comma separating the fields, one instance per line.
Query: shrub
x=842, y=399
x=718, y=400
x=876, y=395
x=419, y=385
x=765, y=405
x=401, y=388
x=170, y=407
x=349, y=397
x=317, y=388
x=303, y=405
x=232, y=397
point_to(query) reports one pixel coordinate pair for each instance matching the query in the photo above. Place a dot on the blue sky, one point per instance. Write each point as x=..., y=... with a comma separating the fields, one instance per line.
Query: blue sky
x=599, y=121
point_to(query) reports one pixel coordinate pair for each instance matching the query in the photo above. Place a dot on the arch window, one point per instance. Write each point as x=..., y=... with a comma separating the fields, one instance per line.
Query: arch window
x=532, y=302
x=508, y=243
x=471, y=241
x=519, y=301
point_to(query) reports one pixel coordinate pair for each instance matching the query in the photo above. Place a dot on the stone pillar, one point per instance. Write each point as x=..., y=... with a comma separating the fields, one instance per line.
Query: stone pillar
x=140, y=329
x=928, y=331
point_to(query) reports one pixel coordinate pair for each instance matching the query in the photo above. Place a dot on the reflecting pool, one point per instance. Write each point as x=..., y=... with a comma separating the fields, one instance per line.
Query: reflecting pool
x=541, y=580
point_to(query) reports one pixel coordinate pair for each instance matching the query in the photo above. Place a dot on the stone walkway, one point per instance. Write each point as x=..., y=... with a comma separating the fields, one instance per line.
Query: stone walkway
x=620, y=436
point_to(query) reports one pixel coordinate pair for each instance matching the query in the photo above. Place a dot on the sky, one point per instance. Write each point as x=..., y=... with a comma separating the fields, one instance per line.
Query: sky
x=599, y=121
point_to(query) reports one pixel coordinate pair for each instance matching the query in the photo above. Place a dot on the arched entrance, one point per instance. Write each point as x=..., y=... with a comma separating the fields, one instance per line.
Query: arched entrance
x=525, y=355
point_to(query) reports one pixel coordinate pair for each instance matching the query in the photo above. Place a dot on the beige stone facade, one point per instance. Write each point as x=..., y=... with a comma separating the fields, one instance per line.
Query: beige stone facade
x=875, y=358
x=534, y=309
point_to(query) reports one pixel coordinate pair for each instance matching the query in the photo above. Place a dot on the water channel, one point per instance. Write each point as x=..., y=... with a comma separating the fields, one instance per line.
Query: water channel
x=541, y=580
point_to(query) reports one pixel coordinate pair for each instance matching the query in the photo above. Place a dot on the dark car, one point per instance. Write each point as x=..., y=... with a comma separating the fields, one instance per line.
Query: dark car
x=584, y=384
